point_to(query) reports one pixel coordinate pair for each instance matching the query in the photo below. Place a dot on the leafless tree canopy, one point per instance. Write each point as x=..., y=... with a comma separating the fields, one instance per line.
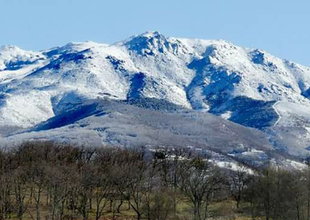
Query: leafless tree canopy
x=49, y=181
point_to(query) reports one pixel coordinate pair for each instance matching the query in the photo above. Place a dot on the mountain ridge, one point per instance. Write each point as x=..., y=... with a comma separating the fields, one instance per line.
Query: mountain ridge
x=249, y=87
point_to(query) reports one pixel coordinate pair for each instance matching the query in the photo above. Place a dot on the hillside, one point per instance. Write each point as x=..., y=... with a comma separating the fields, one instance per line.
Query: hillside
x=151, y=78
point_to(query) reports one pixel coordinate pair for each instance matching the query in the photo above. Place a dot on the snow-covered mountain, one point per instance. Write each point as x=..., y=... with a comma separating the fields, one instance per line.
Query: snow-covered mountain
x=246, y=86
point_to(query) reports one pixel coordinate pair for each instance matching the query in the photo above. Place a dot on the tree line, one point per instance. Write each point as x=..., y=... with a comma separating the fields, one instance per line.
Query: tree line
x=49, y=181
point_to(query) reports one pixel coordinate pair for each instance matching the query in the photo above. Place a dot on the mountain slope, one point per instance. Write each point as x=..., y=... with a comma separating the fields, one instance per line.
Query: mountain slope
x=117, y=123
x=246, y=86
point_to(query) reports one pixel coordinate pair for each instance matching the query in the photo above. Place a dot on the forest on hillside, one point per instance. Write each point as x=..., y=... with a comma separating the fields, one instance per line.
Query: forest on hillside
x=45, y=180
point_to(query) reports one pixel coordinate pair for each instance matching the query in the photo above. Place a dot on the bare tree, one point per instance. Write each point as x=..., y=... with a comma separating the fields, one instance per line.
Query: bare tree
x=102, y=183
x=198, y=181
x=21, y=189
x=38, y=181
x=239, y=179
x=130, y=170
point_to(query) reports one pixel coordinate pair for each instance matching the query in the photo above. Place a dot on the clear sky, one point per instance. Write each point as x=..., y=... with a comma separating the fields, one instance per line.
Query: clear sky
x=281, y=27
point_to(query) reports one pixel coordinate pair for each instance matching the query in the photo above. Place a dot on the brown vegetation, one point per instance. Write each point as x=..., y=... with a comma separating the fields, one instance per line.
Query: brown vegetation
x=50, y=181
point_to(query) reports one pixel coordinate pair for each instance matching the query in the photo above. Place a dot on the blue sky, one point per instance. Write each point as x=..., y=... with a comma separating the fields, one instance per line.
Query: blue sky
x=279, y=26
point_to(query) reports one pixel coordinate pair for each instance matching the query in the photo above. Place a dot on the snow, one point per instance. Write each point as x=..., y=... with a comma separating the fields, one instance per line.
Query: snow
x=296, y=165
x=289, y=112
x=234, y=166
x=14, y=57
x=226, y=115
x=276, y=110
x=247, y=86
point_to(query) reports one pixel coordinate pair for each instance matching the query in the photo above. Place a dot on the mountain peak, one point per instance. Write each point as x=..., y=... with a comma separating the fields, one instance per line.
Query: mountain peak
x=13, y=57
x=151, y=43
x=10, y=48
x=151, y=34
